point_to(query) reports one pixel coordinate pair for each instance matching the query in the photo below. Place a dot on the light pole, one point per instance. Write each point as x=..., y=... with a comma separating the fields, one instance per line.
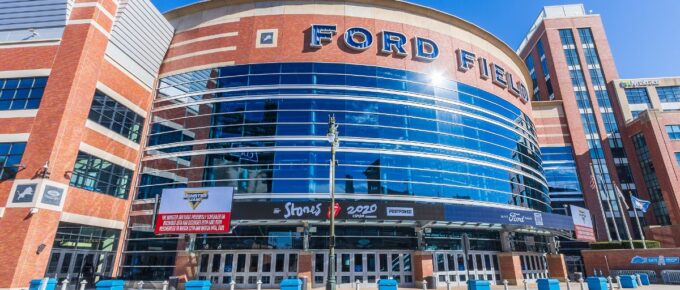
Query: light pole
x=333, y=139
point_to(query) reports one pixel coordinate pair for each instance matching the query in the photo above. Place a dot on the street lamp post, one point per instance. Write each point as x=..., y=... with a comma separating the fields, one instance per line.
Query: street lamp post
x=333, y=139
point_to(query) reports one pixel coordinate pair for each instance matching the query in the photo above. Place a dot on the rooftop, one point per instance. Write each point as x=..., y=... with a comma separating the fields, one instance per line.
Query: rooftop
x=550, y=12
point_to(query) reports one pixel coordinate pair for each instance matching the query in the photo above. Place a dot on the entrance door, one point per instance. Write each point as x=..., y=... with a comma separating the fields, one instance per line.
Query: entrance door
x=365, y=267
x=247, y=268
x=452, y=266
x=76, y=265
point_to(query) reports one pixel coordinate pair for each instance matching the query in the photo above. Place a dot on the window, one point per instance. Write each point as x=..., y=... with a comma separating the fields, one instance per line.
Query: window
x=113, y=115
x=637, y=96
x=677, y=157
x=102, y=176
x=673, y=131
x=21, y=93
x=10, y=157
x=651, y=180
x=636, y=113
x=669, y=94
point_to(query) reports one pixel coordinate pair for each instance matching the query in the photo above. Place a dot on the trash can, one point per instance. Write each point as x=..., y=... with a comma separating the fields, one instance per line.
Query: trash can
x=479, y=285
x=110, y=285
x=628, y=281
x=597, y=283
x=197, y=285
x=548, y=284
x=644, y=279
x=387, y=284
x=36, y=283
x=291, y=284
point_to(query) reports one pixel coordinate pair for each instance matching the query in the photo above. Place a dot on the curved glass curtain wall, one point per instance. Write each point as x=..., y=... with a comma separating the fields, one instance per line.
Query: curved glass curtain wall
x=262, y=128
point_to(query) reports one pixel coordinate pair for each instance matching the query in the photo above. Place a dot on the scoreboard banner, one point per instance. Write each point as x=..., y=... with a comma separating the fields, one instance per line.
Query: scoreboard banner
x=194, y=210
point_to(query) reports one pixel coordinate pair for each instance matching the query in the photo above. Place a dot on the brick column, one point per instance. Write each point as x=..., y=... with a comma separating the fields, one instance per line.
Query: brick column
x=186, y=263
x=423, y=267
x=305, y=268
x=55, y=135
x=557, y=267
x=511, y=267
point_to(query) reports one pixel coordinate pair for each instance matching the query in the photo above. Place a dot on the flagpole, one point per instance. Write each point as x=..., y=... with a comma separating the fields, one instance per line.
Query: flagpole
x=622, y=202
x=639, y=225
x=599, y=202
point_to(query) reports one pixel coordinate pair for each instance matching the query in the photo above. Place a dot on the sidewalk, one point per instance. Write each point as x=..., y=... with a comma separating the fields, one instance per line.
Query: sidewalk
x=533, y=286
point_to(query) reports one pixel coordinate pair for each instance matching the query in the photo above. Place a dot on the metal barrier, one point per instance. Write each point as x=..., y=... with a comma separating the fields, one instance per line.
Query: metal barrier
x=670, y=276
x=652, y=274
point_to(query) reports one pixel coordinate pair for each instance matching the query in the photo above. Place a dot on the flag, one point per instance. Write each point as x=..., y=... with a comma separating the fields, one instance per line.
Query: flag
x=621, y=197
x=640, y=204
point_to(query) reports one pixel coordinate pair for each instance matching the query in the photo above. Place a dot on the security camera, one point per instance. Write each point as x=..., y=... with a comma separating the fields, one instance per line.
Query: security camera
x=33, y=210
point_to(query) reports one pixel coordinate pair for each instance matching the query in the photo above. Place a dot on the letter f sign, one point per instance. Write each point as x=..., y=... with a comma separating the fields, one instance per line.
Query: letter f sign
x=321, y=33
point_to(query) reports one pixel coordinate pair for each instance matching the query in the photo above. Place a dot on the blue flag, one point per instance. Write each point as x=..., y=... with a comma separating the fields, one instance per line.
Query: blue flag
x=640, y=204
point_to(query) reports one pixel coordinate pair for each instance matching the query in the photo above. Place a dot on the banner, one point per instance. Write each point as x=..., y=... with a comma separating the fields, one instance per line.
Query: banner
x=194, y=210
x=583, y=224
x=348, y=210
x=641, y=204
x=397, y=211
x=505, y=216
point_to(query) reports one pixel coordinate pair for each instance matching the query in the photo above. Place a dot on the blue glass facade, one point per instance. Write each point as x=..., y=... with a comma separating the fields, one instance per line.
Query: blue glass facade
x=261, y=128
x=562, y=176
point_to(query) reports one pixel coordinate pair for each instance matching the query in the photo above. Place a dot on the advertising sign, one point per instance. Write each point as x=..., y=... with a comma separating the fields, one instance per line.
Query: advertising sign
x=504, y=216
x=583, y=224
x=398, y=210
x=660, y=260
x=194, y=210
x=348, y=210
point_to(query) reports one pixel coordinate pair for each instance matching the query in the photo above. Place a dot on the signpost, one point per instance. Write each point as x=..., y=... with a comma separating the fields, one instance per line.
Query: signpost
x=194, y=210
x=583, y=224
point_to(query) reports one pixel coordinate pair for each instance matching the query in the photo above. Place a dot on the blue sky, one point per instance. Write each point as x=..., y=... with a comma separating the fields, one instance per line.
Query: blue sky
x=644, y=34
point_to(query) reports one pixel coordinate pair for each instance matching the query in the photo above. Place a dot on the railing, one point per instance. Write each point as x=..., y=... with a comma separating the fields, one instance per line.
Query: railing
x=652, y=274
x=671, y=276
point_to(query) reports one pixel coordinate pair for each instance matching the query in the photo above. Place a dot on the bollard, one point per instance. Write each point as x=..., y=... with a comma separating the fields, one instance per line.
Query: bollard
x=259, y=284
x=568, y=284
x=505, y=284
x=580, y=282
x=140, y=285
x=609, y=283
x=165, y=285
x=357, y=285
x=448, y=284
x=232, y=285
x=82, y=284
x=424, y=284
x=618, y=282
x=526, y=285
x=639, y=280
x=64, y=284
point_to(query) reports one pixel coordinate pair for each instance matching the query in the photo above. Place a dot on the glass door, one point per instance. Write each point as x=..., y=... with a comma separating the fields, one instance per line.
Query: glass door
x=247, y=268
x=365, y=267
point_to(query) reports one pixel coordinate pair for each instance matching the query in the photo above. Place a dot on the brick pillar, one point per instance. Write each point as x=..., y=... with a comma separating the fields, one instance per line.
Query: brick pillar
x=305, y=268
x=557, y=267
x=55, y=135
x=423, y=267
x=511, y=268
x=186, y=263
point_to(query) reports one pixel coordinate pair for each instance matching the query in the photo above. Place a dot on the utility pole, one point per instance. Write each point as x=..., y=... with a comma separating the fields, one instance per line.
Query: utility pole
x=333, y=139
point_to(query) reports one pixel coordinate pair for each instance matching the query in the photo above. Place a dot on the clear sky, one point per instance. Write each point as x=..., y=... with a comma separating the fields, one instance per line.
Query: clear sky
x=644, y=34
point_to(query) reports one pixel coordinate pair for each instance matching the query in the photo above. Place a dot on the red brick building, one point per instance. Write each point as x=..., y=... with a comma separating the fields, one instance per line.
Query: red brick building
x=571, y=65
x=650, y=107
x=75, y=91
